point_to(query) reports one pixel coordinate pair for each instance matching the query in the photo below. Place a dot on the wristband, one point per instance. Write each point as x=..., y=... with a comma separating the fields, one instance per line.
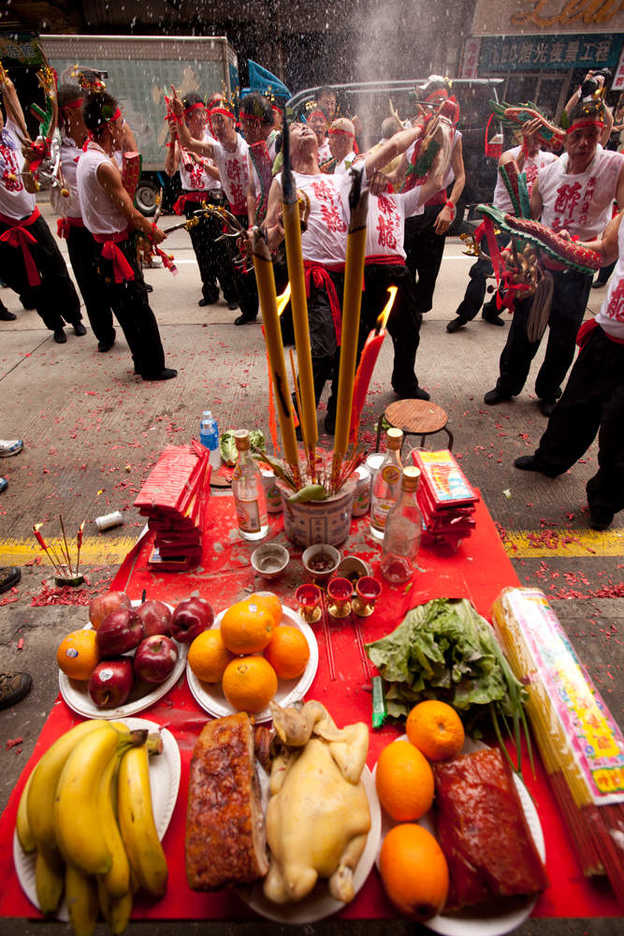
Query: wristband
x=449, y=204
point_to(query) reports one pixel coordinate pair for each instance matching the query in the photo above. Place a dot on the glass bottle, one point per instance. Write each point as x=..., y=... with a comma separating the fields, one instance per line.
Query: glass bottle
x=387, y=483
x=248, y=492
x=403, y=531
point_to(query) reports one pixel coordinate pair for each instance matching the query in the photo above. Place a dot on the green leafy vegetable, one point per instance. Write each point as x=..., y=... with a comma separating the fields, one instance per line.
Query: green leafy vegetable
x=445, y=650
x=227, y=445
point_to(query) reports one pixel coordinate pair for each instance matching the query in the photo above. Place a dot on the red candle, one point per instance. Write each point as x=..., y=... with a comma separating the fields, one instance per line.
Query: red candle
x=363, y=375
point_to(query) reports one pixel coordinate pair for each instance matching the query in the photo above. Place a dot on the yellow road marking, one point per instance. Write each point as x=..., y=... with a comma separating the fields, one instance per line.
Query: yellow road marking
x=519, y=544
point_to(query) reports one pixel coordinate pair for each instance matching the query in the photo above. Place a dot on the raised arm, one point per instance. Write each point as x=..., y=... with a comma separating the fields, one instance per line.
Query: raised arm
x=392, y=148
x=13, y=107
x=184, y=136
x=273, y=221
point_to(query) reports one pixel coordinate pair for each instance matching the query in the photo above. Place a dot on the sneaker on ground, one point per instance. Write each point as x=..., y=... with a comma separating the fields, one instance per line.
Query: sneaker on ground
x=79, y=329
x=59, y=336
x=10, y=447
x=9, y=578
x=13, y=688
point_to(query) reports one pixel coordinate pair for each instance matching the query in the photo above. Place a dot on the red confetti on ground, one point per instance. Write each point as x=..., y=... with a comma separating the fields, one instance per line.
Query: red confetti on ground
x=13, y=742
x=80, y=597
x=20, y=643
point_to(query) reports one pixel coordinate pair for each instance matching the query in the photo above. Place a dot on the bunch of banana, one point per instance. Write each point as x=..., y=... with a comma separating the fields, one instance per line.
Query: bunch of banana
x=87, y=812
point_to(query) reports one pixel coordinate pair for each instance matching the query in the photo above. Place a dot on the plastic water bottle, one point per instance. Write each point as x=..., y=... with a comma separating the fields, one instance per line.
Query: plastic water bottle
x=209, y=437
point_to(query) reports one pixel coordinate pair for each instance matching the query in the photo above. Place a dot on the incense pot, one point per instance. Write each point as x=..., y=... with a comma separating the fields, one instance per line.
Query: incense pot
x=368, y=590
x=321, y=521
x=339, y=592
x=72, y=581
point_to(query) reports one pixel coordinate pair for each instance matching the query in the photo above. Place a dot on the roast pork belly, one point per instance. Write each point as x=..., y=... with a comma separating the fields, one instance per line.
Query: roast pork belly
x=225, y=835
x=482, y=830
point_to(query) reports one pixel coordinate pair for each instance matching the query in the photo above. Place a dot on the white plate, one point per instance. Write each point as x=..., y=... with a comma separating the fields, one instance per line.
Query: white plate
x=210, y=695
x=164, y=774
x=514, y=910
x=320, y=904
x=77, y=696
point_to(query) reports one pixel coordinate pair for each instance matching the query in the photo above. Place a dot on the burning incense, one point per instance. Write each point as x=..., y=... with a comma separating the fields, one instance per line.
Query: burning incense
x=50, y=553
x=354, y=273
x=275, y=346
x=79, y=545
x=370, y=353
x=69, y=565
x=294, y=258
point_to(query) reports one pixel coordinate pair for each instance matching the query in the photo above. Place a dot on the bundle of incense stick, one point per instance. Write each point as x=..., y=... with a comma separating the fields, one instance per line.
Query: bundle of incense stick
x=581, y=746
x=59, y=553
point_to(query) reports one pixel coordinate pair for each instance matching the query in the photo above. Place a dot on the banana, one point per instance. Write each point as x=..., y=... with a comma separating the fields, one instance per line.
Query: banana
x=40, y=801
x=82, y=903
x=79, y=829
x=115, y=912
x=136, y=822
x=117, y=879
x=22, y=825
x=48, y=883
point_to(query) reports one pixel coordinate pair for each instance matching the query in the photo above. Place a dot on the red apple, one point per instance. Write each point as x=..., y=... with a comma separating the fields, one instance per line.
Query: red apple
x=119, y=632
x=111, y=683
x=155, y=658
x=103, y=605
x=190, y=618
x=155, y=617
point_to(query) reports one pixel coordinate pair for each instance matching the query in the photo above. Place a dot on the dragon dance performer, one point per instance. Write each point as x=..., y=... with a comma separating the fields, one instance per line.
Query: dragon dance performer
x=593, y=399
x=574, y=193
x=229, y=151
x=256, y=118
x=528, y=158
x=30, y=261
x=110, y=216
x=84, y=253
x=342, y=143
x=201, y=183
x=425, y=233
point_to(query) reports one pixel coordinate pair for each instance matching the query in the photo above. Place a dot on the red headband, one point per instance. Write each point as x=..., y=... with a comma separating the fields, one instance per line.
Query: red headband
x=336, y=131
x=280, y=110
x=76, y=103
x=198, y=105
x=223, y=111
x=432, y=94
x=114, y=116
x=316, y=113
x=584, y=122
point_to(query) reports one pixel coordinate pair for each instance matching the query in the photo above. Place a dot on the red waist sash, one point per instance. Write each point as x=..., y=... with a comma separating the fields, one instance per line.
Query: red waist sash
x=582, y=336
x=18, y=236
x=122, y=271
x=64, y=225
x=318, y=276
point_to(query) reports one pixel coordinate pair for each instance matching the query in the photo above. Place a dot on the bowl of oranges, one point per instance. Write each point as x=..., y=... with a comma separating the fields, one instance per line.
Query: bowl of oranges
x=257, y=651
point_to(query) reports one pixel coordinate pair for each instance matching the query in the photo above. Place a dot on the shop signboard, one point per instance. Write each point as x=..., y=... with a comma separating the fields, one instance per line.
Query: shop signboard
x=547, y=17
x=551, y=53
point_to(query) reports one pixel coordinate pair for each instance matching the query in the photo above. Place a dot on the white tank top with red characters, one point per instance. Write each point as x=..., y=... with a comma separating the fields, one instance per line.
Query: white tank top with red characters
x=325, y=239
x=580, y=202
x=98, y=212
x=385, y=222
x=193, y=175
x=611, y=315
x=531, y=167
x=233, y=168
x=15, y=201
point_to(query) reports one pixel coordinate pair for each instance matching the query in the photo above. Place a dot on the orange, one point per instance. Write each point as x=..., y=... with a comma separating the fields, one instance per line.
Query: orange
x=77, y=654
x=208, y=656
x=246, y=627
x=249, y=684
x=414, y=871
x=288, y=653
x=270, y=603
x=435, y=728
x=404, y=782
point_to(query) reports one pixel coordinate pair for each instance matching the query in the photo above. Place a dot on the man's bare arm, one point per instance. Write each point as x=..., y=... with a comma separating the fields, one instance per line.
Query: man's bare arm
x=607, y=244
x=392, y=148
x=536, y=201
x=273, y=222
x=109, y=178
x=13, y=107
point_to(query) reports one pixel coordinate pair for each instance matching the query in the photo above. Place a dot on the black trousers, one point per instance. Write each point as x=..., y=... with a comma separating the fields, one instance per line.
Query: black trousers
x=245, y=282
x=424, y=249
x=404, y=322
x=477, y=286
x=592, y=403
x=325, y=351
x=55, y=299
x=129, y=302
x=84, y=255
x=212, y=255
x=570, y=295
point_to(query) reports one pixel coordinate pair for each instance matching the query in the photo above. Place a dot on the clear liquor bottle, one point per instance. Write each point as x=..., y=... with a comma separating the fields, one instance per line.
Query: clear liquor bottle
x=248, y=492
x=403, y=532
x=387, y=484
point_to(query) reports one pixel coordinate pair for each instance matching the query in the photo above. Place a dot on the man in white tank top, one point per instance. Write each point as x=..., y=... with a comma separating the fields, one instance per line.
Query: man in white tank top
x=109, y=214
x=574, y=193
x=593, y=400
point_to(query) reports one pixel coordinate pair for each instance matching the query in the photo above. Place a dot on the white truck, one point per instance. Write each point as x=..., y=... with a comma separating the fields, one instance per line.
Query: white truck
x=140, y=71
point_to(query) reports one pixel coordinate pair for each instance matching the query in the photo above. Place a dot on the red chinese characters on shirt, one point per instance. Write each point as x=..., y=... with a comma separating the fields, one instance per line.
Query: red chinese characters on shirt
x=572, y=203
x=388, y=224
x=9, y=166
x=530, y=172
x=236, y=184
x=331, y=211
x=615, y=308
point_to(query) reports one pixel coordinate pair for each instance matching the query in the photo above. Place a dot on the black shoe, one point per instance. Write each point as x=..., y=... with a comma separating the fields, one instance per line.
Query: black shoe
x=598, y=284
x=245, y=319
x=104, y=346
x=59, y=336
x=232, y=305
x=530, y=463
x=5, y=315
x=9, y=577
x=148, y=288
x=13, y=688
x=166, y=374
x=412, y=393
x=547, y=407
x=600, y=518
x=492, y=318
x=79, y=329
x=203, y=302
x=455, y=324
x=492, y=397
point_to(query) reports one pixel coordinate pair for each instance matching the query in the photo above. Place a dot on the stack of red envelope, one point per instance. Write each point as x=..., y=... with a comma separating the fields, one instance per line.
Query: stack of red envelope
x=445, y=497
x=174, y=500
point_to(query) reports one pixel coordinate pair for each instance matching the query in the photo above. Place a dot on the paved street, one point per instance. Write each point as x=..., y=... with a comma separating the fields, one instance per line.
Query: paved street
x=92, y=430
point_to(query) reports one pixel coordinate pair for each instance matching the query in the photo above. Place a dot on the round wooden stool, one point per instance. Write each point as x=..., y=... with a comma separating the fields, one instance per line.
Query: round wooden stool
x=415, y=417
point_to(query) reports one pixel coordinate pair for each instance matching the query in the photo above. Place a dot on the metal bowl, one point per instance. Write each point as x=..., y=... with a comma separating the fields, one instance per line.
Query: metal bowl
x=352, y=568
x=270, y=560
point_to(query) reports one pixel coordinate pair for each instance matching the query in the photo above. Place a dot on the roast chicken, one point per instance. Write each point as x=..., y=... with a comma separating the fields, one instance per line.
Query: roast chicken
x=317, y=818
